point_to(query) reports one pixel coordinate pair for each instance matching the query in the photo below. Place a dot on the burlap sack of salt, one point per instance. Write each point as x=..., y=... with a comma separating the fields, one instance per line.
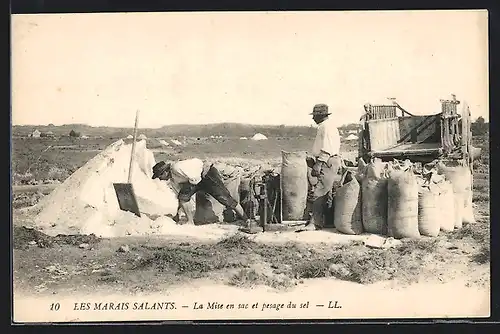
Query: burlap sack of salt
x=294, y=185
x=402, y=215
x=374, y=193
x=429, y=213
x=347, y=214
x=447, y=206
x=461, y=180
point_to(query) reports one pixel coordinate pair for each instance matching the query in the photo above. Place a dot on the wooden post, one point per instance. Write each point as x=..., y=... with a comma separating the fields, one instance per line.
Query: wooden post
x=133, y=147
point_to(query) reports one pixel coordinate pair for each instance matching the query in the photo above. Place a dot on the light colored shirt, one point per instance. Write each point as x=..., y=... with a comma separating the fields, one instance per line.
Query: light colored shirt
x=327, y=142
x=189, y=170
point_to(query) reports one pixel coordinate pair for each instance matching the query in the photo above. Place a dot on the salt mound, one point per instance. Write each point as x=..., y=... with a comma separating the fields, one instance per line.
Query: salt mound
x=86, y=202
x=164, y=143
x=176, y=142
x=259, y=136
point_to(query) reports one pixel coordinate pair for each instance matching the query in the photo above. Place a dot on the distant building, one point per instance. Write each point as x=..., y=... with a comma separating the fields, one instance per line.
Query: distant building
x=35, y=134
x=84, y=137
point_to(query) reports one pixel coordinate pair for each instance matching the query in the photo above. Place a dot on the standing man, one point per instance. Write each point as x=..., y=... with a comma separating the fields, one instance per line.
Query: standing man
x=191, y=176
x=324, y=169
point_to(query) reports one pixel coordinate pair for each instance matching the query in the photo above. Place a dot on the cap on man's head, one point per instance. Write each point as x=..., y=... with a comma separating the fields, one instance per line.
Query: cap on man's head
x=320, y=109
x=160, y=168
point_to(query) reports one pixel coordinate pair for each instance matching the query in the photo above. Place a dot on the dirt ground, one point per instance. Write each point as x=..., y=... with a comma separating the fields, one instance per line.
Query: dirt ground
x=281, y=262
x=86, y=263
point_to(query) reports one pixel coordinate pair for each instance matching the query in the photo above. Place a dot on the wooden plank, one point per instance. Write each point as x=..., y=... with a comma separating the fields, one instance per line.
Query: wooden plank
x=383, y=133
x=423, y=152
x=411, y=149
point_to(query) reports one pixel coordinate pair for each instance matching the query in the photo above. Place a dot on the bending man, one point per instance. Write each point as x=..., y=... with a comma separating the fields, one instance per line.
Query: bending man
x=191, y=176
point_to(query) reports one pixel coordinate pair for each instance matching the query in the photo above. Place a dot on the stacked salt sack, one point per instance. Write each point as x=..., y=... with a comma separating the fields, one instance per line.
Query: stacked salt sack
x=399, y=200
x=347, y=213
x=86, y=202
x=374, y=198
x=447, y=206
x=429, y=206
x=461, y=180
x=294, y=185
x=402, y=203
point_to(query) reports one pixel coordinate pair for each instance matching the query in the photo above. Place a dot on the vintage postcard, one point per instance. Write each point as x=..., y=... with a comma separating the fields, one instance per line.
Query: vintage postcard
x=250, y=165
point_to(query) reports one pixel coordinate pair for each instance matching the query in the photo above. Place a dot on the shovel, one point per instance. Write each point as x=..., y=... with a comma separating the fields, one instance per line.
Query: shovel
x=125, y=191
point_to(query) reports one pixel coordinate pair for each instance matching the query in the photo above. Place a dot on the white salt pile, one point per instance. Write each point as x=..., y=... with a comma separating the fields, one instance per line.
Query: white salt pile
x=176, y=142
x=164, y=143
x=86, y=202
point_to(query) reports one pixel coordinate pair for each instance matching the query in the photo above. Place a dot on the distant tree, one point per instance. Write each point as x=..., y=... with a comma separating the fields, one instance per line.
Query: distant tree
x=479, y=127
x=74, y=134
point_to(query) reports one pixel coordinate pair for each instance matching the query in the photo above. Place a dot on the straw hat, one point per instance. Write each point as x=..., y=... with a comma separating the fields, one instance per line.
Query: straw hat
x=320, y=109
x=160, y=168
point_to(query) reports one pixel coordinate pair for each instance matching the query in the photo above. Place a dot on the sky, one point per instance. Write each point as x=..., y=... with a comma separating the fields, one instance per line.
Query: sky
x=248, y=67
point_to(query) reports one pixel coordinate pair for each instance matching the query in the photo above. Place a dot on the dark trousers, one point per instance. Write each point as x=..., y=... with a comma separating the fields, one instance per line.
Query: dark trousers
x=212, y=184
x=321, y=191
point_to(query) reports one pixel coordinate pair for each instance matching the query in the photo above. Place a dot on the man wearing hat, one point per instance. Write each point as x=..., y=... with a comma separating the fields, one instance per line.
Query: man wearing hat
x=191, y=176
x=325, y=167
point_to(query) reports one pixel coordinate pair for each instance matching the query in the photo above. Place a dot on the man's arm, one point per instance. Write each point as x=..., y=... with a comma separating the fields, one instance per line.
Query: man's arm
x=324, y=156
x=195, y=180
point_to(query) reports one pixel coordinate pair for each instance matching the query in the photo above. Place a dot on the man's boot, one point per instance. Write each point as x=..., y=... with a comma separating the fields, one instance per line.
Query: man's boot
x=318, y=213
x=251, y=225
x=309, y=217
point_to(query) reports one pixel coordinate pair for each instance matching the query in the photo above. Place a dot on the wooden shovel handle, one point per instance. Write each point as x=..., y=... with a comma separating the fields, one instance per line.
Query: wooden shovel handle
x=133, y=147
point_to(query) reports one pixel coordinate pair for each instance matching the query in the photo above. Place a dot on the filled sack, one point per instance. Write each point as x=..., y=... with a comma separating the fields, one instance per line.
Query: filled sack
x=347, y=213
x=294, y=185
x=429, y=212
x=374, y=195
x=446, y=206
x=461, y=180
x=402, y=208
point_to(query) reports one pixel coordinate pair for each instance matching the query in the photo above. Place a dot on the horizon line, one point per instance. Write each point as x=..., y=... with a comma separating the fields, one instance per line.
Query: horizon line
x=176, y=124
